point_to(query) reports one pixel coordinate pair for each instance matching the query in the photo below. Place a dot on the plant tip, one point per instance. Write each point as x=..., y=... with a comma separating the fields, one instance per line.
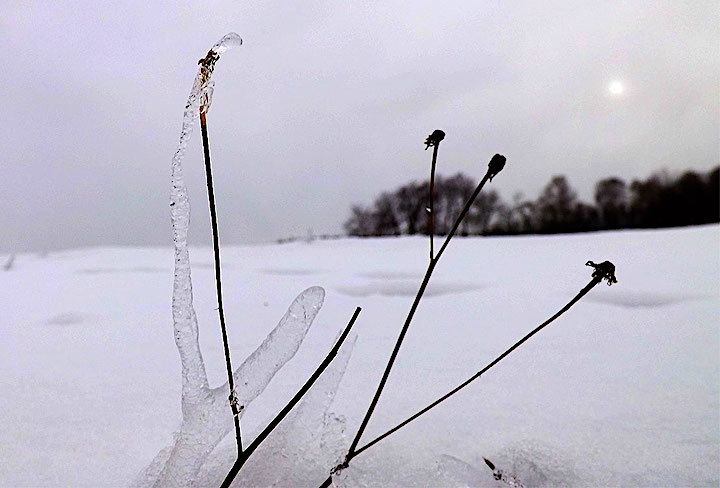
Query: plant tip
x=434, y=138
x=603, y=271
x=208, y=62
x=496, y=164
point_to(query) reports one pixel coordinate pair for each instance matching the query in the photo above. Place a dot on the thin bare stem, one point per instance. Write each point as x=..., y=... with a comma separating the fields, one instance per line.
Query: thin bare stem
x=462, y=215
x=433, y=140
x=432, y=198
x=477, y=375
x=496, y=164
x=218, y=282
x=298, y=396
x=605, y=270
x=492, y=170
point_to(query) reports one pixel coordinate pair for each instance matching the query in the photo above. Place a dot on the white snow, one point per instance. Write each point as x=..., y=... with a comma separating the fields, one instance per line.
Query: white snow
x=623, y=390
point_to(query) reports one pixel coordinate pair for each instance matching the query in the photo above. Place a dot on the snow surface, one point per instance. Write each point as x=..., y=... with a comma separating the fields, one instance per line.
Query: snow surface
x=623, y=390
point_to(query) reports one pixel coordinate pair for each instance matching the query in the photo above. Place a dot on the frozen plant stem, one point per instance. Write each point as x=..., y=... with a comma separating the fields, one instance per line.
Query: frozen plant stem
x=298, y=396
x=494, y=167
x=605, y=270
x=218, y=282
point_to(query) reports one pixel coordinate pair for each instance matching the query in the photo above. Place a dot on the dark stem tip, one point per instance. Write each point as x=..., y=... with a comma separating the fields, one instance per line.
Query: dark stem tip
x=603, y=271
x=207, y=64
x=434, y=138
x=489, y=463
x=210, y=59
x=496, y=165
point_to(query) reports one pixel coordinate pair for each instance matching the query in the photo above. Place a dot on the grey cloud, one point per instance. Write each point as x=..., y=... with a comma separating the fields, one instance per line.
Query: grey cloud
x=327, y=104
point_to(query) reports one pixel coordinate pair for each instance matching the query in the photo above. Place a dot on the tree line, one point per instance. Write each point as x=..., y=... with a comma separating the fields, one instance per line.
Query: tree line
x=660, y=200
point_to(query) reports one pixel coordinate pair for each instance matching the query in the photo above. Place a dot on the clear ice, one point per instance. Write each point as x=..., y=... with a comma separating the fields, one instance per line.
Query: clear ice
x=301, y=449
x=206, y=416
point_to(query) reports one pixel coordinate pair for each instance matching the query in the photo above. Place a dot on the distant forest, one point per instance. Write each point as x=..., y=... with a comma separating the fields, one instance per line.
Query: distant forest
x=660, y=201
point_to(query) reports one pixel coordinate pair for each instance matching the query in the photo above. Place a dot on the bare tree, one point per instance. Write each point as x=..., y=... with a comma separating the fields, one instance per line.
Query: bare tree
x=556, y=206
x=611, y=197
x=361, y=222
x=384, y=217
x=485, y=209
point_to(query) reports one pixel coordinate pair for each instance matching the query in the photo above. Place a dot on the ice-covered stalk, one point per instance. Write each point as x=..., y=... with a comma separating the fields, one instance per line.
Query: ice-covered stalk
x=205, y=417
x=186, y=458
x=206, y=67
x=184, y=317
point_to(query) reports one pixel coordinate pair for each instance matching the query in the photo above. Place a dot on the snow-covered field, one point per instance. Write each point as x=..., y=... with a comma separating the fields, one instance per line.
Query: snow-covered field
x=623, y=390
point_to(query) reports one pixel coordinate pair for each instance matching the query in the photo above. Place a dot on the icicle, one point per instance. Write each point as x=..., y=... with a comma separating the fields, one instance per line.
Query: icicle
x=184, y=317
x=206, y=420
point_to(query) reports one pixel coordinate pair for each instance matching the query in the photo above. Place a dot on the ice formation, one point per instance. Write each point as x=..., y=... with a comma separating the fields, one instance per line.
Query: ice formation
x=278, y=347
x=206, y=416
x=184, y=318
x=299, y=451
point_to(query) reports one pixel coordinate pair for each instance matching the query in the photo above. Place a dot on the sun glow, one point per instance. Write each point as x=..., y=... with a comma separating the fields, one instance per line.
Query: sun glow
x=616, y=88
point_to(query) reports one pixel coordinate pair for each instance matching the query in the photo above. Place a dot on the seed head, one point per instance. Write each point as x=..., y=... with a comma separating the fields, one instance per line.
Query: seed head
x=604, y=271
x=434, y=138
x=496, y=164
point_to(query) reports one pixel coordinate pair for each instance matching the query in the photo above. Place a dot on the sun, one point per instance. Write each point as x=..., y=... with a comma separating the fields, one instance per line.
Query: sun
x=616, y=88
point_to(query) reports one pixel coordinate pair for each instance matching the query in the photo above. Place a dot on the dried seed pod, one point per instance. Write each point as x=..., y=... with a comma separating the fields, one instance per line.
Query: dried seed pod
x=434, y=138
x=496, y=164
x=604, y=271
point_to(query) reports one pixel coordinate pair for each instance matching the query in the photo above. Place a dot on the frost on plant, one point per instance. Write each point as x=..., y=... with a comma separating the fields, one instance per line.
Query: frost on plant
x=206, y=418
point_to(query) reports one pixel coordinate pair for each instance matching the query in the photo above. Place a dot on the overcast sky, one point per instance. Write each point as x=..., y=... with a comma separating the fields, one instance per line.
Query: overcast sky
x=328, y=103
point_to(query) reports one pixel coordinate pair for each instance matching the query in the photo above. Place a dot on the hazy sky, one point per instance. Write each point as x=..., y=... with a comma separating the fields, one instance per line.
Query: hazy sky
x=328, y=103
